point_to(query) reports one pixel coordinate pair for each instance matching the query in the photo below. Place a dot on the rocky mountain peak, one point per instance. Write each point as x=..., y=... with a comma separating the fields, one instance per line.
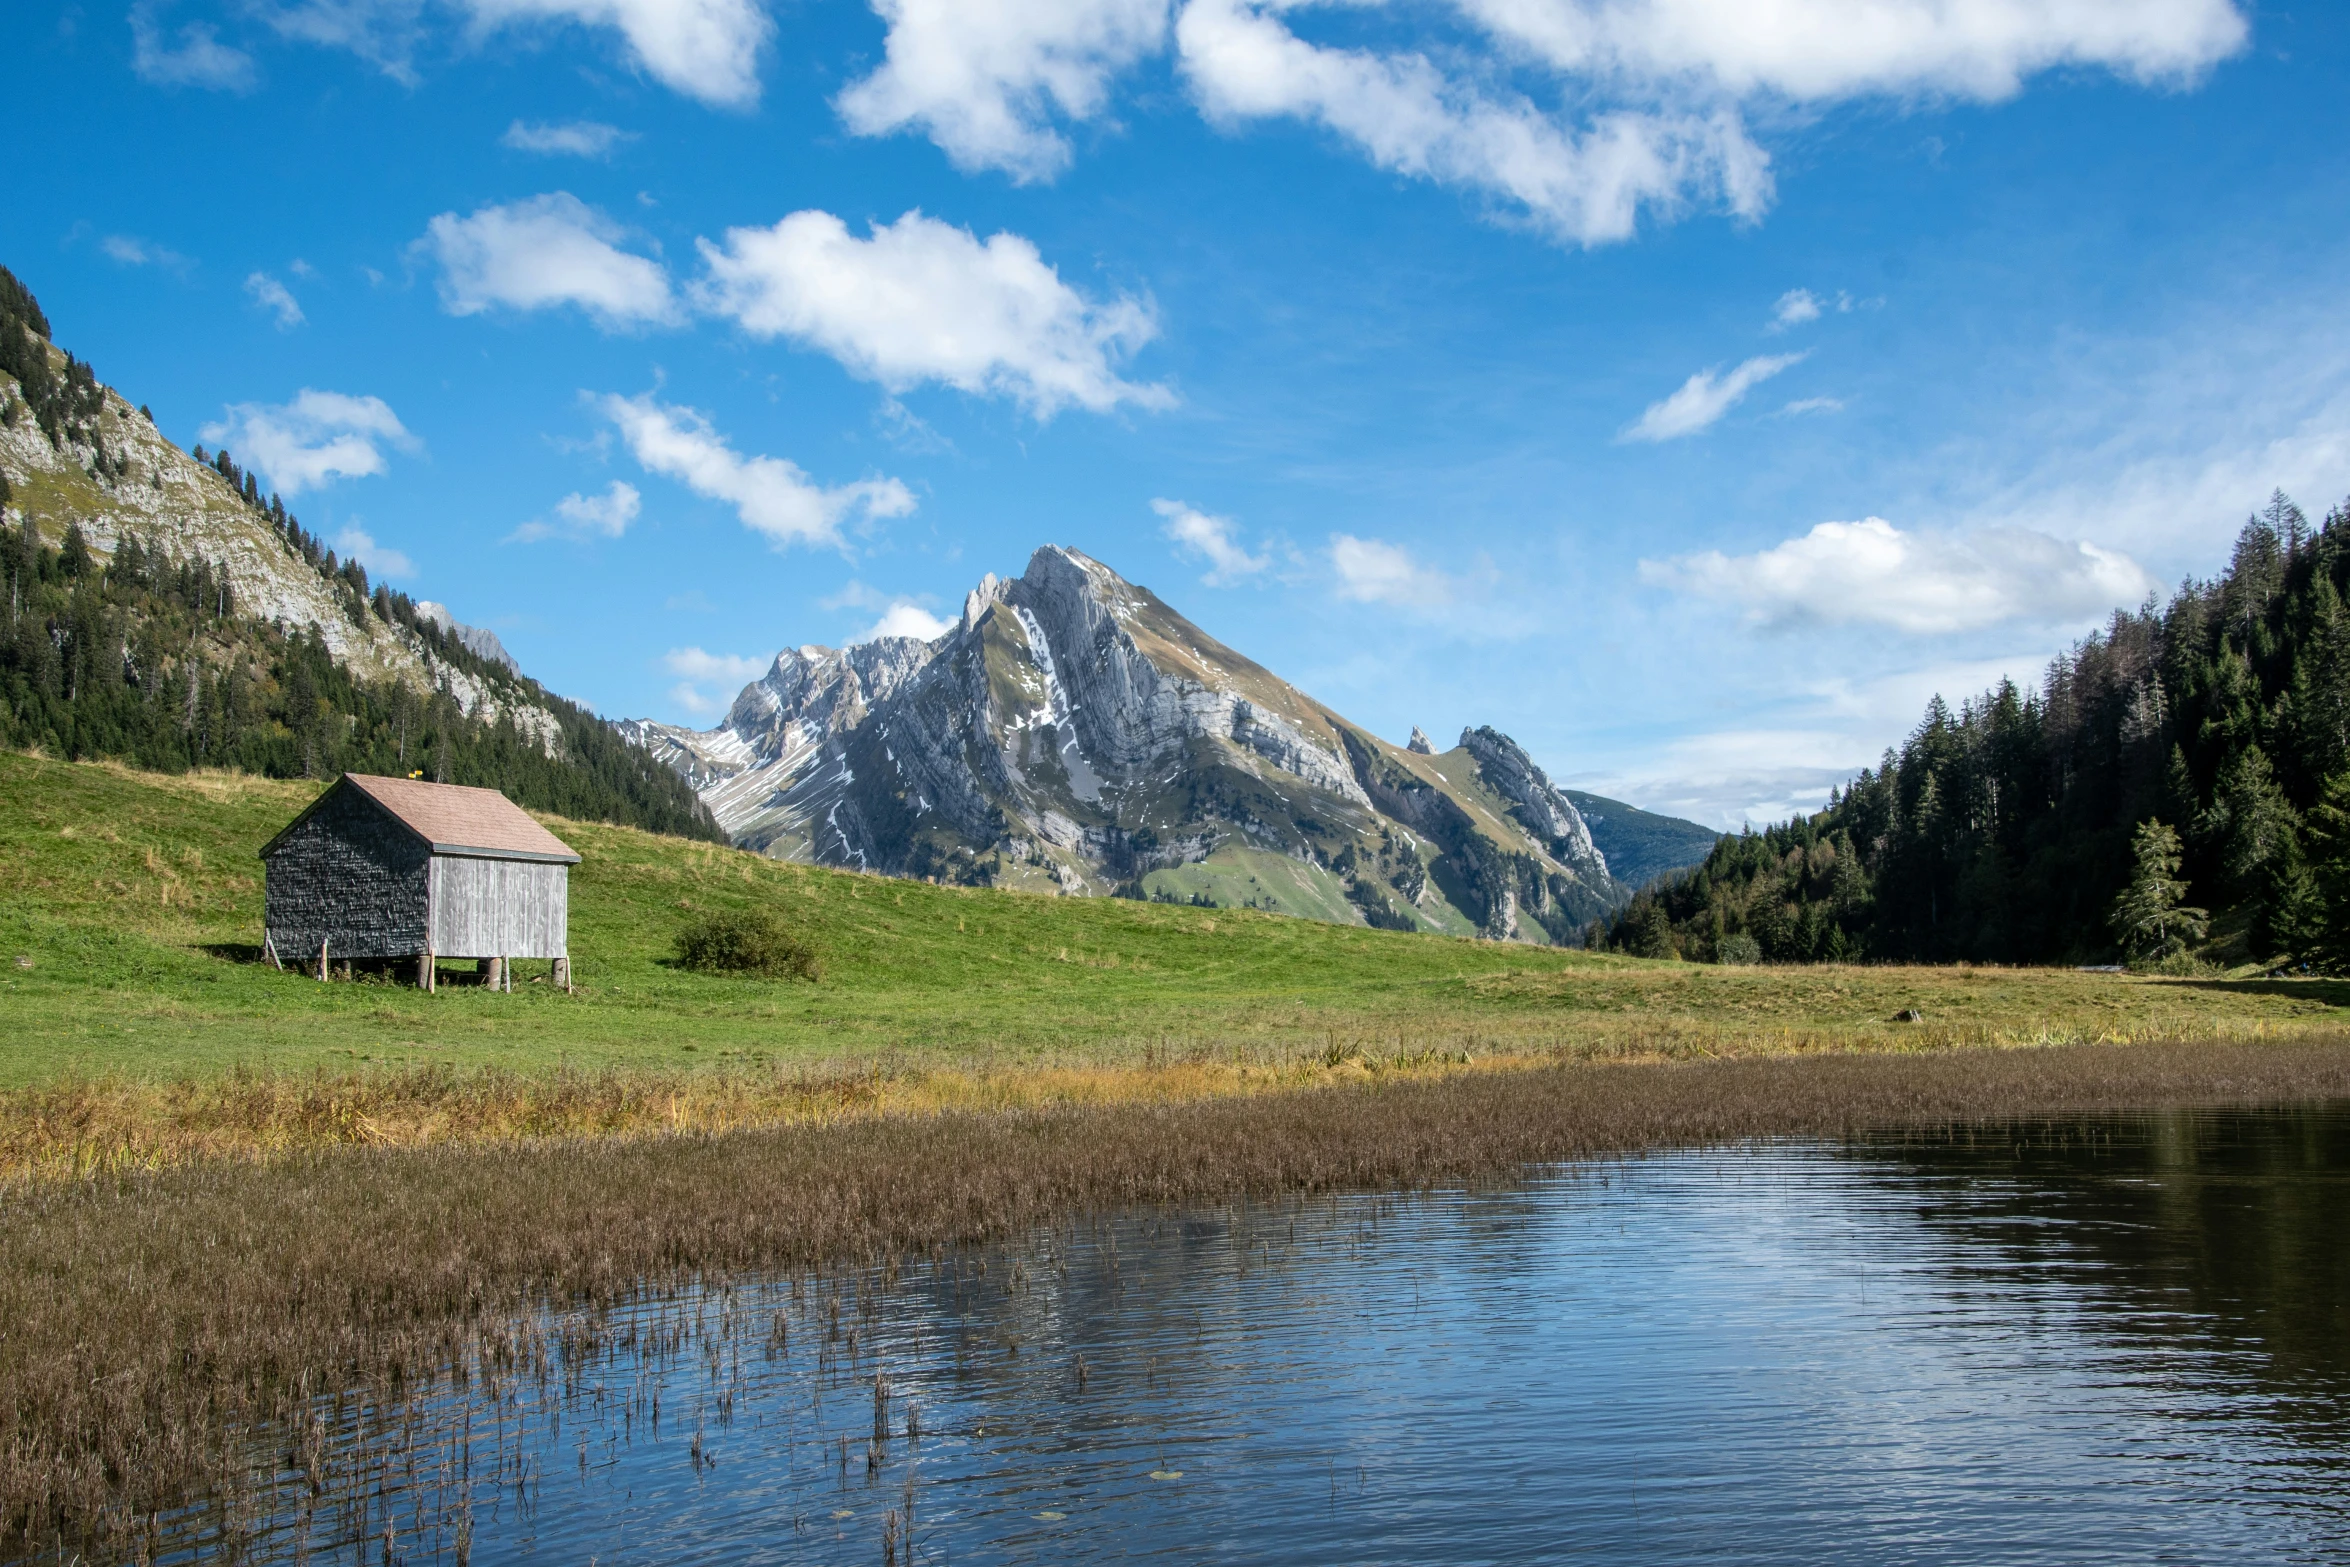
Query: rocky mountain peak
x=1073, y=732
x=1420, y=744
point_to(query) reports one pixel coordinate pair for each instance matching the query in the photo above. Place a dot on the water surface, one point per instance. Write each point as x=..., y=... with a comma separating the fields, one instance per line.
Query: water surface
x=2116, y=1341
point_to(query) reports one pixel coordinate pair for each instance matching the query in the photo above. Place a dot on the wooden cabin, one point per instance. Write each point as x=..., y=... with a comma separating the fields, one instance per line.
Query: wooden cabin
x=382, y=869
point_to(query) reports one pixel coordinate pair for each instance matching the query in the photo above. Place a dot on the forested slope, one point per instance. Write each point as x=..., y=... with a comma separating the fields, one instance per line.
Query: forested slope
x=2004, y=830
x=167, y=612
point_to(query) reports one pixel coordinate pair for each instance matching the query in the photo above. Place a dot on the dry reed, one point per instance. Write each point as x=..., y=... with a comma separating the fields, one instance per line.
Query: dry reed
x=151, y=1324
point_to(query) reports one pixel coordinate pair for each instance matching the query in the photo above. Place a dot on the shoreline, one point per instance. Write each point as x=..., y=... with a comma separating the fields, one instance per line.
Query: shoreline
x=157, y=1317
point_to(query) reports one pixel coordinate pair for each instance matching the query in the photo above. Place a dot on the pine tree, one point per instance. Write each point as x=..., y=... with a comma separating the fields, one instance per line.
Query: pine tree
x=2150, y=916
x=2324, y=903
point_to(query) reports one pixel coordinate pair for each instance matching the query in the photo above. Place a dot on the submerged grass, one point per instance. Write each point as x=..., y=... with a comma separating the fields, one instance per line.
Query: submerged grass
x=154, y=1326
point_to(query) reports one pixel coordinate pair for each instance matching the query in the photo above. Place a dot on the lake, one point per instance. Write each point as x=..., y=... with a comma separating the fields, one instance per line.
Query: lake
x=2124, y=1340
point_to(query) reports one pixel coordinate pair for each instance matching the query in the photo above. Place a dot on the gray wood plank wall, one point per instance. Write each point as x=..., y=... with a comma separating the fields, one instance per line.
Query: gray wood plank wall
x=485, y=908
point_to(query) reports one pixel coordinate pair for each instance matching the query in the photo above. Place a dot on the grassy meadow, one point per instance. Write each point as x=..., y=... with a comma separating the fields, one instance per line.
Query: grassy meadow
x=131, y=992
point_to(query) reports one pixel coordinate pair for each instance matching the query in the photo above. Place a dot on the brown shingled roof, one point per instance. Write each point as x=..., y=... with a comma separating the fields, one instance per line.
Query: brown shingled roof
x=455, y=819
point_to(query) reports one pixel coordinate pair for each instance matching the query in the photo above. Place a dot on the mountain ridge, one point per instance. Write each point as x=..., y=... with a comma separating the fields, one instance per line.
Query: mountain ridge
x=1073, y=732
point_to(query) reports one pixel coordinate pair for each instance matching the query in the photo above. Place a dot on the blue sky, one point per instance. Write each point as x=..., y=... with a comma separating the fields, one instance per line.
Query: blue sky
x=1687, y=387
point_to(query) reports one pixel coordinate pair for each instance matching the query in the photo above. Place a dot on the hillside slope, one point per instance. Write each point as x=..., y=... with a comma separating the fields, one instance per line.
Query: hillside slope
x=1641, y=845
x=164, y=610
x=134, y=900
x=1074, y=732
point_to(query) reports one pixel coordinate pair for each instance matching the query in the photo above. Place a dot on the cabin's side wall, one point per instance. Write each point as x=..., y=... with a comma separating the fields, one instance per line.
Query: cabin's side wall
x=485, y=908
x=349, y=876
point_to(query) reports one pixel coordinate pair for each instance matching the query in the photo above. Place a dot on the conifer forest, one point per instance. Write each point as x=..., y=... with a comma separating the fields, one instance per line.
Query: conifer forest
x=2177, y=789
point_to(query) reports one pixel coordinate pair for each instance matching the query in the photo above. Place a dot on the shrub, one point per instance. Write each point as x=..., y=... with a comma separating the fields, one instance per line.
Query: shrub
x=746, y=941
x=1739, y=948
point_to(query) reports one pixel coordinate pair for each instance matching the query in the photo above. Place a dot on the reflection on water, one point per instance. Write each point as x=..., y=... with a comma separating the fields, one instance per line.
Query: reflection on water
x=2118, y=1341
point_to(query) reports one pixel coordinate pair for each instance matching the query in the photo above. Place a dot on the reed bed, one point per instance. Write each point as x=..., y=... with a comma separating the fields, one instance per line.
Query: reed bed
x=79, y=1127
x=155, y=1325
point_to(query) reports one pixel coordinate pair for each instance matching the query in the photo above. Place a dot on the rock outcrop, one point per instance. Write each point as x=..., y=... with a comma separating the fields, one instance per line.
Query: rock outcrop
x=1073, y=732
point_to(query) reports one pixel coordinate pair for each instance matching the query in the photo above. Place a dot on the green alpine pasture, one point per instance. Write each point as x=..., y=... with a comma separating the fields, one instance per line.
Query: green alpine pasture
x=130, y=923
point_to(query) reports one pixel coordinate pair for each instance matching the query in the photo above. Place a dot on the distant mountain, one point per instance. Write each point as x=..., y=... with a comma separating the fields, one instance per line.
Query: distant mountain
x=1641, y=846
x=162, y=609
x=1073, y=732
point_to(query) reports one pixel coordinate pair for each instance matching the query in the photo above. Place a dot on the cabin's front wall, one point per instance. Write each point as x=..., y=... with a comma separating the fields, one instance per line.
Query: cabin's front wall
x=494, y=908
x=348, y=876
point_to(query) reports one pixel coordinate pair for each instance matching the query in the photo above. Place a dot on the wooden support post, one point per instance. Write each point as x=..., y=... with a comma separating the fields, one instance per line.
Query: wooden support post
x=425, y=971
x=322, y=973
x=269, y=951
x=563, y=974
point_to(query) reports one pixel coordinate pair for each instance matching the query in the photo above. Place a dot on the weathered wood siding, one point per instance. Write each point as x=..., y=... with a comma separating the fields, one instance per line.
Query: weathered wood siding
x=485, y=908
x=350, y=876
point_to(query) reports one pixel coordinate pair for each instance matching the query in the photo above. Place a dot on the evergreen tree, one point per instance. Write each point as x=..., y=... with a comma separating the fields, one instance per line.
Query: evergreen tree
x=2150, y=916
x=2323, y=902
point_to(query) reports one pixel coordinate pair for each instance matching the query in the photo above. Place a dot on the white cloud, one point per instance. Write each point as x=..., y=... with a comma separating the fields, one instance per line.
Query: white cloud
x=1795, y=307
x=1811, y=405
x=1405, y=114
x=706, y=49
x=695, y=664
x=1822, y=50
x=923, y=300
x=771, y=495
x=313, y=440
x=570, y=138
x=275, y=297
x=1871, y=572
x=905, y=618
x=1371, y=571
x=200, y=59
x=132, y=251
x=357, y=544
x=549, y=250
x=1704, y=398
x=1202, y=537
x=984, y=78
x=604, y=516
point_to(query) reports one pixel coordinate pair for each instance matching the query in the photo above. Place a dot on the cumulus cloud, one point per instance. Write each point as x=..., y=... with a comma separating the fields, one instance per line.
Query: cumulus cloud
x=1704, y=398
x=571, y=138
x=1372, y=571
x=1822, y=50
x=276, y=298
x=706, y=49
x=922, y=301
x=315, y=439
x=1870, y=572
x=358, y=544
x=1407, y=115
x=905, y=618
x=549, y=250
x=985, y=78
x=1199, y=536
x=198, y=59
x=578, y=516
x=771, y=495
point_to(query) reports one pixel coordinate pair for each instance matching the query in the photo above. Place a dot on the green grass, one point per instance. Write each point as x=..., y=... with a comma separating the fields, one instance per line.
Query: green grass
x=136, y=900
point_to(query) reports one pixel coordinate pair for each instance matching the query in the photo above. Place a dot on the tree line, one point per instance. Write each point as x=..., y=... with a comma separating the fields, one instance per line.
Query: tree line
x=2177, y=788
x=147, y=659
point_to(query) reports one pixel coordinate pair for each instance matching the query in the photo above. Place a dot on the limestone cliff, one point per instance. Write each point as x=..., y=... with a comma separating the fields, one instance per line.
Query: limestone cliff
x=1074, y=732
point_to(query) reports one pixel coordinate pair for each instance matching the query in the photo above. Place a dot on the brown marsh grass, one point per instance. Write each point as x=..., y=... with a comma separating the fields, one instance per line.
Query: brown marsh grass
x=84, y=1126
x=154, y=1325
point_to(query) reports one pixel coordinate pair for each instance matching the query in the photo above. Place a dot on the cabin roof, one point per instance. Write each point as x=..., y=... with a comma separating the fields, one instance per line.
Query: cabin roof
x=451, y=819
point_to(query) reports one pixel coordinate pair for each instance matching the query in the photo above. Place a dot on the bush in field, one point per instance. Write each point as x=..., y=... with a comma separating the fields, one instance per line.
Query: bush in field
x=746, y=941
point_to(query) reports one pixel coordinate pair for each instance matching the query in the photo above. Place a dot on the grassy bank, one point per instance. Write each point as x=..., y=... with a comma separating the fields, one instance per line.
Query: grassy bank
x=130, y=909
x=152, y=1321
